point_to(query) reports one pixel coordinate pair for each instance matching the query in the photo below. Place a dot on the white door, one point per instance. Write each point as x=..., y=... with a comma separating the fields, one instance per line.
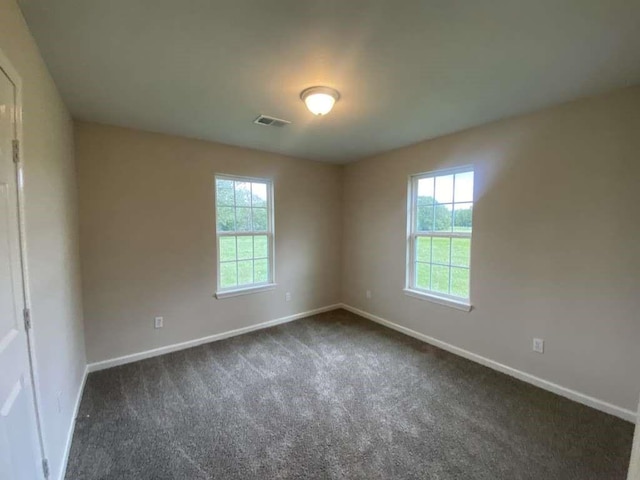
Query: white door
x=19, y=443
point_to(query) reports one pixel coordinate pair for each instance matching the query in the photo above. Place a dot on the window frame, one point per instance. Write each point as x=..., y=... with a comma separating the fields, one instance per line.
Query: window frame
x=269, y=233
x=411, y=289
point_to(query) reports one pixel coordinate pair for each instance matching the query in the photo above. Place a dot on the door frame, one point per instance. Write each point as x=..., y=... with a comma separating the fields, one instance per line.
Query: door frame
x=12, y=73
x=634, y=463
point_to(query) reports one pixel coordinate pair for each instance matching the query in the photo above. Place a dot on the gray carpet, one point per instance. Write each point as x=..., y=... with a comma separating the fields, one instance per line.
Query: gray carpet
x=334, y=396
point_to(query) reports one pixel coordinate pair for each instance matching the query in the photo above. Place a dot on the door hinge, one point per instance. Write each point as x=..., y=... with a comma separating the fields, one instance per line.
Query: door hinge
x=27, y=318
x=45, y=467
x=16, y=151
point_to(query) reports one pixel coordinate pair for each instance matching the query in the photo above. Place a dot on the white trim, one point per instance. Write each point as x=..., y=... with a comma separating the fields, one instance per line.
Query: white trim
x=245, y=291
x=444, y=171
x=634, y=464
x=114, y=362
x=587, y=400
x=430, y=297
x=72, y=426
x=242, y=178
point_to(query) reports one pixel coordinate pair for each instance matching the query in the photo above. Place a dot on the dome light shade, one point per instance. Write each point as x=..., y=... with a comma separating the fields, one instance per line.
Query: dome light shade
x=319, y=100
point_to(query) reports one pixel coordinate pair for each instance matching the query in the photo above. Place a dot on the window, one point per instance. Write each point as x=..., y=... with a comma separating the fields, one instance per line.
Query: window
x=244, y=231
x=439, y=241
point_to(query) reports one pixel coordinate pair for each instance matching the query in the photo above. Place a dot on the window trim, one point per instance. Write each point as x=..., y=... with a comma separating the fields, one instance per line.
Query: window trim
x=459, y=303
x=440, y=300
x=270, y=284
x=263, y=287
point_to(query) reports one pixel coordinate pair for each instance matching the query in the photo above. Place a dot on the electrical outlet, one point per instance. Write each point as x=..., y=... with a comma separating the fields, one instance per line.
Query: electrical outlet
x=287, y=296
x=158, y=322
x=59, y=401
x=368, y=294
x=538, y=345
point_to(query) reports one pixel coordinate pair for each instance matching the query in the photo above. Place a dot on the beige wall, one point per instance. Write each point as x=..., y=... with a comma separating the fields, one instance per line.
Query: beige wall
x=555, y=253
x=148, y=238
x=51, y=223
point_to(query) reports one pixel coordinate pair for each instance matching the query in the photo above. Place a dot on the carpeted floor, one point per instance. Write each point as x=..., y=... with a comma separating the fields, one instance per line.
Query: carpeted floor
x=334, y=396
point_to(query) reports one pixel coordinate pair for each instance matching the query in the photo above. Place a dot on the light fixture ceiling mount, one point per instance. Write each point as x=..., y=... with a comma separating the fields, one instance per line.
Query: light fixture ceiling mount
x=320, y=100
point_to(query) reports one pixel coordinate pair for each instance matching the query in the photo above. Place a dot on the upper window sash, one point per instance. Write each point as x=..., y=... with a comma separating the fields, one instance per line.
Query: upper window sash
x=457, y=201
x=267, y=206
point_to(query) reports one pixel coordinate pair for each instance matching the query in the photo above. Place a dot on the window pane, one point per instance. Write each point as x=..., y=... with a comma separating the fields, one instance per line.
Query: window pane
x=425, y=191
x=463, y=217
x=243, y=219
x=423, y=275
x=423, y=249
x=226, y=218
x=245, y=248
x=440, y=279
x=243, y=194
x=260, y=246
x=259, y=219
x=223, y=183
x=227, y=249
x=228, y=275
x=224, y=193
x=425, y=219
x=245, y=272
x=460, y=282
x=443, y=218
x=261, y=271
x=464, y=187
x=440, y=252
x=444, y=189
x=460, y=251
x=259, y=194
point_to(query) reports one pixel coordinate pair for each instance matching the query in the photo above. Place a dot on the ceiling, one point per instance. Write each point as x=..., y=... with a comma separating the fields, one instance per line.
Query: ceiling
x=407, y=70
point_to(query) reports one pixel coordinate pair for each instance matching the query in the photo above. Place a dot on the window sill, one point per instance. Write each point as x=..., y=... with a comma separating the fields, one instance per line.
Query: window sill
x=447, y=302
x=245, y=291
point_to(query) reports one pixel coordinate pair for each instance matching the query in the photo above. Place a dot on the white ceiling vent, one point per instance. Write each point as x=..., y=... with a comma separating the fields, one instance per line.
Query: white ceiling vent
x=270, y=121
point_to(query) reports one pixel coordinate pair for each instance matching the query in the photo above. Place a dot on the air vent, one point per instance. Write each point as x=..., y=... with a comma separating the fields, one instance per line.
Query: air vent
x=270, y=121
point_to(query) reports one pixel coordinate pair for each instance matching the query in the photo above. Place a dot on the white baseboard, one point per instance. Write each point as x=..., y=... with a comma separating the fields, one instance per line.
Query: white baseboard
x=113, y=362
x=592, y=402
x=72, y=426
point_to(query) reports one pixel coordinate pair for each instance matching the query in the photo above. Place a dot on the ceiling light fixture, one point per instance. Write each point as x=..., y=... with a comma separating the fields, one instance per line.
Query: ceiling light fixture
x=320, y=100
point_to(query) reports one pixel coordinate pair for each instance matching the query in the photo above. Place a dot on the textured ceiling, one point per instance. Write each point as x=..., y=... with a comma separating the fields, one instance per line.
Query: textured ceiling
x=407, y=70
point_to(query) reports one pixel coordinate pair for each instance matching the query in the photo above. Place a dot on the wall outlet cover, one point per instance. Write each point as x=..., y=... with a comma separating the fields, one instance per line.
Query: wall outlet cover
x=538, y=345
x=158, y=322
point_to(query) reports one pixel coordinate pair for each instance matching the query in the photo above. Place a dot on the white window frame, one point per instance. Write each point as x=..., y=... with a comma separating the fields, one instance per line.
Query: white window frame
x=411, y=289
x=270, y=233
